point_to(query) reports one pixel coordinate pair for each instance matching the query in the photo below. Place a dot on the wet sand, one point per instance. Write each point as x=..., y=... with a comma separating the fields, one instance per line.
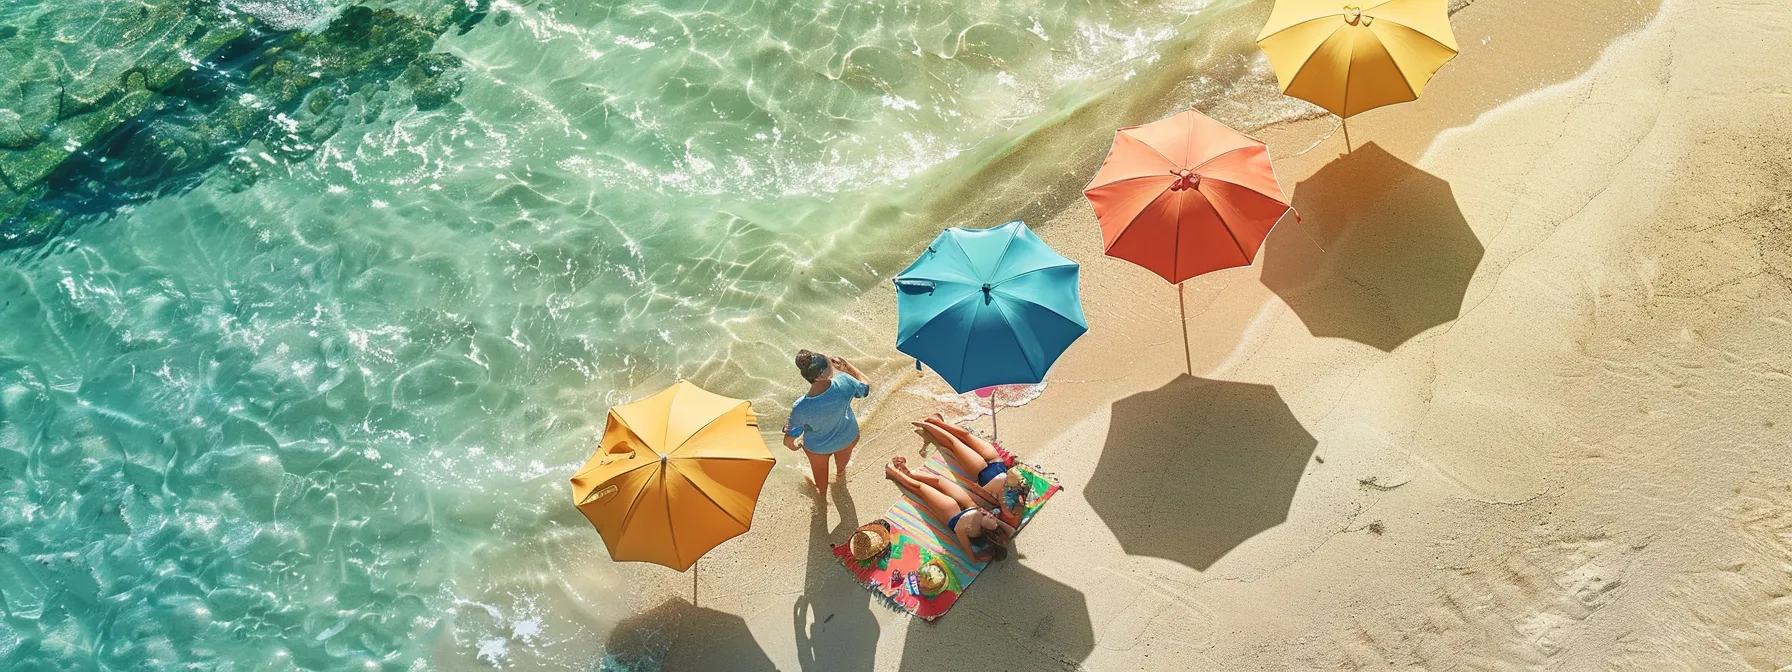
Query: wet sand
x=1512, y=394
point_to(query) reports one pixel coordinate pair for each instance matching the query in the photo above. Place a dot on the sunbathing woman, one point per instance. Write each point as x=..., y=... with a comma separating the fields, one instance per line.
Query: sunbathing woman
x=979, y=458
x=977, y=531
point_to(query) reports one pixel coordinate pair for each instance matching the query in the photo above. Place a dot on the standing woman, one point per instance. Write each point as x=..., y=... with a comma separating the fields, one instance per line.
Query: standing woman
x=823, y=418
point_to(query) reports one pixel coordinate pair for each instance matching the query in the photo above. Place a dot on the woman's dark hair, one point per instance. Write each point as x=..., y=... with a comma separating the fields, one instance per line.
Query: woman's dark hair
x=811, y=364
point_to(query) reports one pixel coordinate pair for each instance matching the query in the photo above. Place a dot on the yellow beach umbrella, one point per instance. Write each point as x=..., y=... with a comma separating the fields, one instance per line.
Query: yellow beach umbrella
x=1349, y=56
x=677, y=473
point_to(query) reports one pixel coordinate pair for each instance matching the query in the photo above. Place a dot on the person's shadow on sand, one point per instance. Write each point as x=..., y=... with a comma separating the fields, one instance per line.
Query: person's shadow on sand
x=835, y=629
x=679, y=636
x=1011, y=618
x=1194, y=468
x=1397, y=253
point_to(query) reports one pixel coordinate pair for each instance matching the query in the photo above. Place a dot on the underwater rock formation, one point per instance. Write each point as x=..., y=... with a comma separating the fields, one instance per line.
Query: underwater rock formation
x=151, y=100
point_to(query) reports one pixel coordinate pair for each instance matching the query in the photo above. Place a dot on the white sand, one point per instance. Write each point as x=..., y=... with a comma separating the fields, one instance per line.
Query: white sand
x=1528, y=408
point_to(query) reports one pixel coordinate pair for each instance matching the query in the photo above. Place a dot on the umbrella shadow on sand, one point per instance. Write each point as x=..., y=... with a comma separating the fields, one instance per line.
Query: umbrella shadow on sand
x=835, y=629
x=679, y=636
x=1194, y=468
x=1382, y=251
x=1012, y=618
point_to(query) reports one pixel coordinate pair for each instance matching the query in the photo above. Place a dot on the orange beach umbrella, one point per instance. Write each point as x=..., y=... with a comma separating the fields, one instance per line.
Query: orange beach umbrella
x=1184, y=196
x=676, y=474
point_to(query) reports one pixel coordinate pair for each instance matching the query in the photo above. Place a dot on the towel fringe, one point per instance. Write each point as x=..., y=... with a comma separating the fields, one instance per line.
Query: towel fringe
x=888, y=601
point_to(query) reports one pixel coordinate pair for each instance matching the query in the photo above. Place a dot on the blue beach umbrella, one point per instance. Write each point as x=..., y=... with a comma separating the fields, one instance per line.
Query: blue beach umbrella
x=986, y=307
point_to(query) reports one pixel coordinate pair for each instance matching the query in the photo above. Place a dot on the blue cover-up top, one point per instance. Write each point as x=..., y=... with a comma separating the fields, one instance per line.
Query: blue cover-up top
x=826, y=421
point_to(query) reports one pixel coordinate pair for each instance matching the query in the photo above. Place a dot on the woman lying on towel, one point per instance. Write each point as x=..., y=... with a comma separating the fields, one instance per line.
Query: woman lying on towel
x=984, y=461
x=979, y=532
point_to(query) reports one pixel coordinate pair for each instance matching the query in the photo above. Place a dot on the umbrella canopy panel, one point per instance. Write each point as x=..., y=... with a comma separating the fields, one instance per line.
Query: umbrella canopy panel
x=676, y=474
x=988, y=307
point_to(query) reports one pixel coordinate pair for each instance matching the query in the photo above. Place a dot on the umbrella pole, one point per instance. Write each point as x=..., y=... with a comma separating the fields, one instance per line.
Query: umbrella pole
x=1346, y=124
x=1182, y=309
x=693, y=584
x=994, y=431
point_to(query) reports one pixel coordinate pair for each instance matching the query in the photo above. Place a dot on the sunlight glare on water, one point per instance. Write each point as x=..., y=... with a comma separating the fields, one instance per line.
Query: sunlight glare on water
x=315, y=406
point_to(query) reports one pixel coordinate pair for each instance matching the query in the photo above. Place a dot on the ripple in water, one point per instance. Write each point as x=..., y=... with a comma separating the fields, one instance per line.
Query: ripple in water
x=324, y=419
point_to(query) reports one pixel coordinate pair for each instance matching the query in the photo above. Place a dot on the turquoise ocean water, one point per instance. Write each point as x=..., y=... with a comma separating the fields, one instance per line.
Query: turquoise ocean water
x=309, y=310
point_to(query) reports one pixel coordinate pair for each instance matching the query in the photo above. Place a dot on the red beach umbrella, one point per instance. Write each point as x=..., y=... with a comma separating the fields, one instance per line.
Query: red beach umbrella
x=1184, y=196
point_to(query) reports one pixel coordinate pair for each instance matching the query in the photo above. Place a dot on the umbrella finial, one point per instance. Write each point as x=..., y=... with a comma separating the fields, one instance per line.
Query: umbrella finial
x=986, y=297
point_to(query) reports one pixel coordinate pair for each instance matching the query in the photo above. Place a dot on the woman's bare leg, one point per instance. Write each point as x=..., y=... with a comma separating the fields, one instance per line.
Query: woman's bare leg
x=818, y=468
x=966, y=458
x=843, y=457
x=946, y=487
x=976, y=443
x=939, y=504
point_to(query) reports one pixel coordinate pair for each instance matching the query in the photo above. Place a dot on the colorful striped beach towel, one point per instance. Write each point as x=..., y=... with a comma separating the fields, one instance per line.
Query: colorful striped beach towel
x=917, y=538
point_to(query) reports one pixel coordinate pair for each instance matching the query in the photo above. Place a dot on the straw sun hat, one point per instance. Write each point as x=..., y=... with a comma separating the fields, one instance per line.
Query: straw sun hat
x=870, y=540
x=931, y=577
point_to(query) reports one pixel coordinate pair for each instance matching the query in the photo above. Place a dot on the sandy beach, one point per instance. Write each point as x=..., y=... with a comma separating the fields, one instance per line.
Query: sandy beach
x=1512, y=394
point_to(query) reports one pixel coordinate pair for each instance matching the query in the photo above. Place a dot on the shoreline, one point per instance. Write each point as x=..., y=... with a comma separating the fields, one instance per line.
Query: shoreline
x=1388, y=465
x=1066, y=225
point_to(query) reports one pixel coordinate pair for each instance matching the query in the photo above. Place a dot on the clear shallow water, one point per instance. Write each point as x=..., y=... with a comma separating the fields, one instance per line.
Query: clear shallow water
x=318, y=411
